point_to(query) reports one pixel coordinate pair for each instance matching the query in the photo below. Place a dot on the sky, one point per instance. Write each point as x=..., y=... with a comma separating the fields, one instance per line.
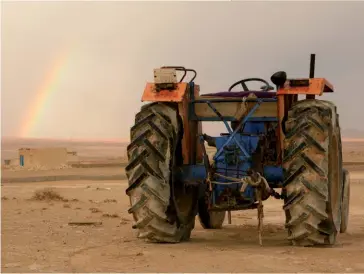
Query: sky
x=78, y=69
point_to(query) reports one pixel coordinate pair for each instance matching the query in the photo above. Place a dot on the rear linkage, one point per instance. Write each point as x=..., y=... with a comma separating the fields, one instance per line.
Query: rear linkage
x=262, y=190
x=253, y=178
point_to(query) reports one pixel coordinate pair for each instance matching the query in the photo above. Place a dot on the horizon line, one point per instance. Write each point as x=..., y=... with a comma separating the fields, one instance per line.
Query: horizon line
x=122, y=140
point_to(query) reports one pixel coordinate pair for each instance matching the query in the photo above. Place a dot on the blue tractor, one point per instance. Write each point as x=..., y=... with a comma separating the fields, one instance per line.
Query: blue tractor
x=273, y=141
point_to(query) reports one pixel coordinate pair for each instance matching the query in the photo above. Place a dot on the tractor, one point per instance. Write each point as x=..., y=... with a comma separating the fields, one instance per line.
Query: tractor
x=273, y=141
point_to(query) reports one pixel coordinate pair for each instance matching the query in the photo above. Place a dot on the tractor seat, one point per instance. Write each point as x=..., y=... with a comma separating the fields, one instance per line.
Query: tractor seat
x=241, y=94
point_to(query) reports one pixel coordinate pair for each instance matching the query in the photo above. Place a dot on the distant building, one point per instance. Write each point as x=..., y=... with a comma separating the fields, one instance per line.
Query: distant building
x=43, y=157
x=72, y=156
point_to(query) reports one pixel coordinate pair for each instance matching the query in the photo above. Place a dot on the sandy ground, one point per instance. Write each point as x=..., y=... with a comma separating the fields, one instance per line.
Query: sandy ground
x=36, y=237
x=71, y=173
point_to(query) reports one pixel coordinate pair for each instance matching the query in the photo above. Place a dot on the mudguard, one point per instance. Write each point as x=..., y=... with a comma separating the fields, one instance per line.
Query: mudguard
x=176, y=95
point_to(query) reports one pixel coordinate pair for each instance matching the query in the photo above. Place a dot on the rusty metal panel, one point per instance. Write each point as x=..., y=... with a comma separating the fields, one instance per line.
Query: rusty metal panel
x=231, y=109
x=150, y=94
x=236, y=109
x=191, y=129
x=316, y=86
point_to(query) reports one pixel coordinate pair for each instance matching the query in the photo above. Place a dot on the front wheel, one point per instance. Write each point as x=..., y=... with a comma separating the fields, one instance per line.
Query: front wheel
x=210, y=219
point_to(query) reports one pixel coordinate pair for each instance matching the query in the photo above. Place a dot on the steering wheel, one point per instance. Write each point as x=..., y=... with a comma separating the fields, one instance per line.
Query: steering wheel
x=242, y=83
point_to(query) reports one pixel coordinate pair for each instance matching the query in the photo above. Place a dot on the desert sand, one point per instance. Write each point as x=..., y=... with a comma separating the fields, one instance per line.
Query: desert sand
x=37, y=236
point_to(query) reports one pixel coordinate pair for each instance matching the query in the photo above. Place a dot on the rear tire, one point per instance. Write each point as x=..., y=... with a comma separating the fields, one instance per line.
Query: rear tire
x=345, y=202
x=163, y=210
x=313, y=173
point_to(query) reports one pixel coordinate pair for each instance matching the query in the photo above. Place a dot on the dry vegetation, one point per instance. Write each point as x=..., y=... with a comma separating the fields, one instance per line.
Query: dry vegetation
x=48, y=194
x=108, y=215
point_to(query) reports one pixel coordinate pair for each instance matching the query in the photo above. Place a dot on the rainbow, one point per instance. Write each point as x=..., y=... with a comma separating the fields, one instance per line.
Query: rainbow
x=48, y=86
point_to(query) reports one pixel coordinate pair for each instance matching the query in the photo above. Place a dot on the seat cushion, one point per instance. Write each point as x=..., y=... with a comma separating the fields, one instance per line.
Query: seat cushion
x=241, y=94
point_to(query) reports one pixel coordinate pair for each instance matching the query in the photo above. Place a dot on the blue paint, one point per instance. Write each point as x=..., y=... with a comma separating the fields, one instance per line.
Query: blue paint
x=191, y=173
x=21, y=160
x=234, y=151
x=232, y=136
x=233, y=162
x=274, y=175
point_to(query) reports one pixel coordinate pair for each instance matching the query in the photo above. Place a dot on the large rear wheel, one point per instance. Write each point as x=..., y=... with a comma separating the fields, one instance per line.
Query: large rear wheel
x=163, y=210
x=313, y=173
